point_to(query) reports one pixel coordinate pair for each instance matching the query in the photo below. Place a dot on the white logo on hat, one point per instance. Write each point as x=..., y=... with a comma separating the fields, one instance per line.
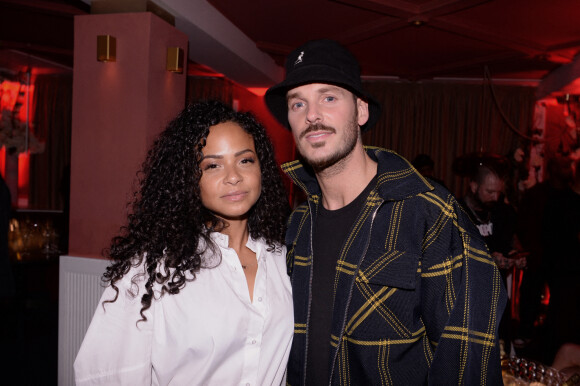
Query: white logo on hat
x=299, y=60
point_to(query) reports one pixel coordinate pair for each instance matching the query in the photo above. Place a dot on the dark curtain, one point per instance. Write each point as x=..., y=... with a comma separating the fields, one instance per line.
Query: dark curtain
x=206, y=88
x=447, y=120
x=50, y=170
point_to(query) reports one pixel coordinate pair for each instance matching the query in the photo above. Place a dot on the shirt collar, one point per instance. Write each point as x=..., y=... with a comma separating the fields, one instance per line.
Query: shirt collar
x=396, y=178
x=222, y=241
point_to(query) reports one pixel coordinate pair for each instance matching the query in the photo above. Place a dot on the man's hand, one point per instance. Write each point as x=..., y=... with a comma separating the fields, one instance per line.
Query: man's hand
x=519, y=258
x=501, y=261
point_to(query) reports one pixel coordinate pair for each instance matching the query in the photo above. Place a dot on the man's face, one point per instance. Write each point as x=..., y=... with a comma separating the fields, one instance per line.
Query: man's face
x=325, y=121
x=562, y=169
x=489, y=191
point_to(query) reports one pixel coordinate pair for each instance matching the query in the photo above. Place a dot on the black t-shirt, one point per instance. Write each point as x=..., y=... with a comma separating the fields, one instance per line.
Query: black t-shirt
x=497, y=225
x=330, y=232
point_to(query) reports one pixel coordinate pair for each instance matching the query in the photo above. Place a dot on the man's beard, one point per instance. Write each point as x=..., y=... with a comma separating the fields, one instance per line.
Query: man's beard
x=489, y=205
x=346, y=148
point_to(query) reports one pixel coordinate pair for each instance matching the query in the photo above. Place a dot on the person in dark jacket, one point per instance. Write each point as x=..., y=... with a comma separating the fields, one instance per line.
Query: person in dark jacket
x=392, y=282
x=496, y=221
x=7, y=285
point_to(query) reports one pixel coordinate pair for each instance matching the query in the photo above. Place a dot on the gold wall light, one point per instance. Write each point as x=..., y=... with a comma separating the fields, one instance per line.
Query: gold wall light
x=106, y=48
x=174, y=60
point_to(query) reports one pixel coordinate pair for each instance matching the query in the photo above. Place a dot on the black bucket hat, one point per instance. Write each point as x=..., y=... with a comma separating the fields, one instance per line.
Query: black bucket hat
x=320, y=61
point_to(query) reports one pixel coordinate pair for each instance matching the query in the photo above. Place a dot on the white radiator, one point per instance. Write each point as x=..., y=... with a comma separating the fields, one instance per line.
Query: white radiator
x=80, y=289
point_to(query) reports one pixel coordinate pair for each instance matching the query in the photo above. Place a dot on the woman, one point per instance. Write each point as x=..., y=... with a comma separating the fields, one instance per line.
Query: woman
x=198, y=292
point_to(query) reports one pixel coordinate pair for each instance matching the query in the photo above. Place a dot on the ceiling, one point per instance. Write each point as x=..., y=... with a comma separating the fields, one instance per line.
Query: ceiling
x=521, y=40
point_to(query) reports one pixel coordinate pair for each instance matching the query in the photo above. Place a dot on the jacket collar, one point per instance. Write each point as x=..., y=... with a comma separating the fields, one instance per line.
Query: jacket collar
x=396, y=178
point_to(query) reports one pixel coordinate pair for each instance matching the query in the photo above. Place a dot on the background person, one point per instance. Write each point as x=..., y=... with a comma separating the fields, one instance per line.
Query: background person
x=198, y=291
x=561, y=266
x=496, y=221
x=7, y=285
x=531, y=212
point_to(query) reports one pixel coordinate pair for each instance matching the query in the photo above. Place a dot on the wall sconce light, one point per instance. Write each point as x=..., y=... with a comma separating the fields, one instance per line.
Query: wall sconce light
x=174, y=59
x=106, y=48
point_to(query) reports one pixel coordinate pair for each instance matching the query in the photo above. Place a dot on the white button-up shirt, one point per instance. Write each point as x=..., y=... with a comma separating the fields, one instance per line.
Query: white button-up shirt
x=208, y=334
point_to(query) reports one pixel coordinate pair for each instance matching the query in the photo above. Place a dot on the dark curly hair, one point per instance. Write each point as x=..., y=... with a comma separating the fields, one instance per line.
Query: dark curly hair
x=167, y=221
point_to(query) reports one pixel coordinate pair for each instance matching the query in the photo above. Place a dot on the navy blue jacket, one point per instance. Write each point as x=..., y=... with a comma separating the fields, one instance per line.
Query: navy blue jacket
x=417, y=298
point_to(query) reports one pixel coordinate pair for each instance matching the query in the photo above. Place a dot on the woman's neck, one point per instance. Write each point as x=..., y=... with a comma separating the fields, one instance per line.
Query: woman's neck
x=238, y=233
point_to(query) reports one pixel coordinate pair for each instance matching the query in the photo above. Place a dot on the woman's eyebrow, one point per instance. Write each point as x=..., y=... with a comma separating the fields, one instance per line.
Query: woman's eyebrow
x=237, y=154
x=244, y=151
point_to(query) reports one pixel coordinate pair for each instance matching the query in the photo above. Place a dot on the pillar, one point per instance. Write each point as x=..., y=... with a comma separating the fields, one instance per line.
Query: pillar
x=118, y=109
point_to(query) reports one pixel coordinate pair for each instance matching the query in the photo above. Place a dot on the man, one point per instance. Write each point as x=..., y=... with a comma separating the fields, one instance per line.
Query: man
x=561, y=263
x=497, y=224
x=391, y=283
x=531, y=212
x=7, y=287
x=495, y=220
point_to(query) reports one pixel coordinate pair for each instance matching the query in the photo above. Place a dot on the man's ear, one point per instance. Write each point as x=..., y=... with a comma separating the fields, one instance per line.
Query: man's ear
x=363, y=111
x=473, y=186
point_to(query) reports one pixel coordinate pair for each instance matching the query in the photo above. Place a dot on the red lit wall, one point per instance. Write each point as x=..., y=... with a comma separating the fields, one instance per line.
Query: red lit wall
x=23, y=179
x=281, y=138
x=16, y=108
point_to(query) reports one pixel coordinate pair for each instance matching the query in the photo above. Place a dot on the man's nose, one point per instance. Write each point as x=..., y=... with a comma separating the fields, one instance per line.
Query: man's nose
x=313, y=114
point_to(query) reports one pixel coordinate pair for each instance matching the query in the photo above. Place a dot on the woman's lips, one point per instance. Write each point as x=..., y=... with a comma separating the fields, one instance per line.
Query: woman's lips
x=235, y=196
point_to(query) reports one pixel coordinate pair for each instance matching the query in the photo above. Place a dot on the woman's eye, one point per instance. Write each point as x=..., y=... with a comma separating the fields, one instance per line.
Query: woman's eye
x=248, y=161
x=209, y=166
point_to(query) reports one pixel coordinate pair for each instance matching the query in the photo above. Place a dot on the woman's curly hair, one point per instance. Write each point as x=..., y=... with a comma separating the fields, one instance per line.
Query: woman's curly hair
x=168, y=225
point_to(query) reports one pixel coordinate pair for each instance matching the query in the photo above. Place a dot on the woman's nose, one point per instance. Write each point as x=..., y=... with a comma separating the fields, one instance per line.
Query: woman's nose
x=233, y=176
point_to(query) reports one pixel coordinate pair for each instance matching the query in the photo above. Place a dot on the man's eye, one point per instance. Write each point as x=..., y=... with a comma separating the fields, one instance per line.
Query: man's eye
x=297, y=105
x=330, y=98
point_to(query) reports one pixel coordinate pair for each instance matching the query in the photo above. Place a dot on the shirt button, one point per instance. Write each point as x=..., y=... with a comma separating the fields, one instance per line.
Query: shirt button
x=248, y=384
x=259, y=299
x=254, y=341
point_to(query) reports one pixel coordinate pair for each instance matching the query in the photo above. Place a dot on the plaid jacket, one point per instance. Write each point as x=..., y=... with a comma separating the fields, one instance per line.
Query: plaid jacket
x=417, y=298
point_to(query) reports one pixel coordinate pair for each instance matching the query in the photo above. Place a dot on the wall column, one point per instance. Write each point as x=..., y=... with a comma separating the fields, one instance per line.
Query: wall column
x=118, y=110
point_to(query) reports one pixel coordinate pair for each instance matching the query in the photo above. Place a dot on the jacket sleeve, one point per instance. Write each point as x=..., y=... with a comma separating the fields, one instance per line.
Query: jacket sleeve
x=463, y=299
x=116, y=348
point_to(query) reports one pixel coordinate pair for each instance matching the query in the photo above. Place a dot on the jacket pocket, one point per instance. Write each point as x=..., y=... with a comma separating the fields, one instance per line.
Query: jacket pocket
x=384, y=303
x=393, y=269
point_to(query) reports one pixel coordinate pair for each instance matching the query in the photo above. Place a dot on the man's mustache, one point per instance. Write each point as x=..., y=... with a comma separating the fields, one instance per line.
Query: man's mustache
x=316, y=127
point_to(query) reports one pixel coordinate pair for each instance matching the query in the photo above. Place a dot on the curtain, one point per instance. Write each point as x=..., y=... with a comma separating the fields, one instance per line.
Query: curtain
x=447, y=120
x=50, y=170
x=206, y=88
